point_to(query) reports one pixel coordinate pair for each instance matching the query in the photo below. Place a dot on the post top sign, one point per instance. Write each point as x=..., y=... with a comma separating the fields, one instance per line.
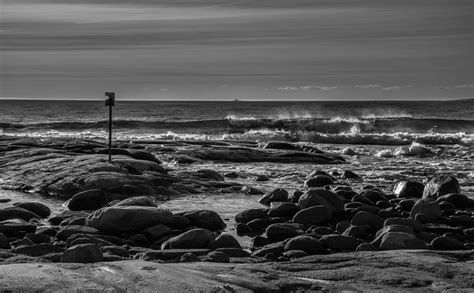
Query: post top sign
x=111, y=99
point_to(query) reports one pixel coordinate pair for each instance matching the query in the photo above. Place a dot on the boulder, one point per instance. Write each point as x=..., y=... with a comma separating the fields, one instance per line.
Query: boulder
x=136, y=201
x=205, y=219
x=409, y=189
x=340, y=243
x=319, y=196
x=307, y=244
x=123, y=219
x=115, y=250
x=276, y=248
x=216, y=256
x=4, y=243
x=446, y=243
x=350, y=175
x=416, y=226
x=226, y=241
x=441, y=185
x=367, y=219
x=279, y=194
x=356, y=231
x=38, y=238
x=67, y=231
x=82, y=253
x=319, y=181
x=251, y=214
x=313, y=215
x=38, y=208
x=157, y=231
x=460, y=201
x=251, y=190
x=10, y=213
x=401, y=240
x=234, y=252
x=38, y=249
x=366, y=247
x=429, y=209
x=92, y=199
x=195, y=238
x=283, y=209
x=208, y=174
x=281, y=231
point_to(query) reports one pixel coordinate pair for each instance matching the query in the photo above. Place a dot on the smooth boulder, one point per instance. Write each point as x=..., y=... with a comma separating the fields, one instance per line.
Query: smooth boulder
x=441, y=185
x=313, y=215
x=195, y=238
x=401, y=240
x=82, y=253
x=92, y=199
x=206, y=219
x=319, y=196
x=409, y=189
x=38, y=208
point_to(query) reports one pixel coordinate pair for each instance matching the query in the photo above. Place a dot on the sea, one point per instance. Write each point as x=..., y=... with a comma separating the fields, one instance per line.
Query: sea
x=335, y=122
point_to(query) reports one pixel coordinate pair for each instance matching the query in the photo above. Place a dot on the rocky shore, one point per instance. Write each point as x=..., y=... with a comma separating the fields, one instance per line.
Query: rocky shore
x=327, y=235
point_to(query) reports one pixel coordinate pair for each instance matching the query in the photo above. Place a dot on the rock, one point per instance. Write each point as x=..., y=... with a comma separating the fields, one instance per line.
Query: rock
x=313, y=215
x=250, y=214
x=210, y=175
x=4, y=243
x=38, y=238
x=446, y=243
x=9, y=213
x=295, y=197
x=170, y=254
x=261, y=178
x=189, y=257
x=373, y=195
x=180, y=222
x=307, y=244
x=416, y=226
x=279, y=194
x=226, y=241
x=356, y=231
x=281, y=231
x=469, y=233
x=348, y=152
x=295, y=254
x=350, y=175
x=367, y=219
x=57, y=219
x=74, y=221
x=232, y=175
x=142, y=155
x=13, y=228
x=82, y=253
x=280, y=145
x=340, y=243
x=319, y=181
x=122, y=219
x=400, y=240
x=216, y=256
x=22, y=242
x=38, y=249
x=429, y=209
x=462, y=220
x=37, y=208
x=251, y=191
x=92, y=199
x=406, y=204
x=366, y=247
x=276, y=248
x=137, y=201
x=407, y=189
x=157, y=231
x=115, y=250
x=196, y=238
x=67, y=231
x=283, y=209
x=441, y=185
x=460, y=201
x=242, y=229
x=234, y=252
x=321, y=230
x=342, y=226
x=323, y=197
x=259, y=225
x=205, y=219
x=258, y=241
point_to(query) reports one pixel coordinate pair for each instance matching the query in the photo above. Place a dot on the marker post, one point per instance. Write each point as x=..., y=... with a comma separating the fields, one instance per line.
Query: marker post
x=110, y=102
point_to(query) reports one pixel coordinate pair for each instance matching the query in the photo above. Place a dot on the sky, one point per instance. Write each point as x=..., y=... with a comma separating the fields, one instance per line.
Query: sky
x=231, y=49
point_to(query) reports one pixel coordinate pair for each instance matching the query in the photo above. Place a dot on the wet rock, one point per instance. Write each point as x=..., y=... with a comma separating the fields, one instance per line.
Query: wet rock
x=38, y=249
x=295, y=254
x=157, y=231
x=429, y=209
x=340, y=243
x=319, y=181
x=87, y=200
x=279, y=194
x=137, y=201
x=342, y=226
x=216, y=256
x=122, y=219
x=67, y=231
x=366, y=247
x=283, y=209
x=250, y=214
x=446, y=243
x=10, y=213
x=350, y=175
x=195, y=238
x=4, y=243
x=307, y=244
x=440, y=186
x=38, y=238
x=460, y=201
x=189, y=257
x=210, y=175
x=400, y=240
x=313, y=215
x=323, y=197
x=205, y=219
x=261, y=178
x=356, y=231
x=276, y=248
x=281, y=231
x=367, y=219
x=416, y=226
x=233, y=252
x=115, y=250
x=143, y=155
x=82, y=253
x=251, y=190
x=407, y=189
x=226, y=241
x=37, y=208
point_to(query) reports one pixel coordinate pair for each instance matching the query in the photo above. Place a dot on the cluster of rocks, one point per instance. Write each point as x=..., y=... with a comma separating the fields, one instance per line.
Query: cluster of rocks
x=334, y=218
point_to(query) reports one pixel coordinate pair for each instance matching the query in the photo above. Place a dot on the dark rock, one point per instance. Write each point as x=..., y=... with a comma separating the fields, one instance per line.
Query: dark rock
x=122, y=219
x=189, y=257
x=281, y=231
x=307, y=244
x=373, y=195
x=462, y=220
x=362, y=199
x=383, y=204
x=226, y=241
x=460, y=201
x=205, y=219
x=232, y=175
x=13, y=228
x=242, y=229
x=49, y=231
x=356, y=231
x=323, y=197
x=196, y=238
x=157, y=231
x=313, y=215
x=4, y=243
x=388, y=229
x=295, y=197
x=350, y=175
x=295, y=254
x=416, y=226
x=407, y=189
x=342, y=226
x=169, y=254
x=366, y=247
x=445, y=243
x=35, y=207
x=251, y=191
x=400, y=240
x=280, y=145
x=137, y=201
x=369, y=209
x=38, y=238
x=87, y=200
x=406, y=204
x=67, y=231
x=38, y=249
x=259, y=241
x=180, y=222
x=319, y=181
x=210, y=175
x=261, y=178
x=388, y=213
x=276, y=248
x=216, y=256
x=57, y=219
x=367, y=219
x=233, y=252
x=82, y=253
x=429, y=209
x=251, y=214
x=73, y=221
x=347, y=194
x=340, y=243
x=22, y=242
x=283, y=209
x=469, y=233
x=441, y=185
x=259, y=225
x=321, y=230
x=10, y=213
x=279, y=194
x=115, y=250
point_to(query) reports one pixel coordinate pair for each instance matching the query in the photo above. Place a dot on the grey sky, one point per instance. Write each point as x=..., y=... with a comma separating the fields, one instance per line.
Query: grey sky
x=223, y=49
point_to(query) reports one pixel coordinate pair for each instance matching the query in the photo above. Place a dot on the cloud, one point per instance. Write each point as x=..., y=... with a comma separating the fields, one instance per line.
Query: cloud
x=392, y=88
x=367, y=86
x=308, y=87
x=463, y=86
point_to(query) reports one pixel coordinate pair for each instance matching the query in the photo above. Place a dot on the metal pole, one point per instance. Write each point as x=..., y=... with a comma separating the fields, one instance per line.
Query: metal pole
x=110, y=133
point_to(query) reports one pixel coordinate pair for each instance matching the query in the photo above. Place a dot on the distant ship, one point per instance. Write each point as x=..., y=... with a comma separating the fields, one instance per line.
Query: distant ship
x=236, y=100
